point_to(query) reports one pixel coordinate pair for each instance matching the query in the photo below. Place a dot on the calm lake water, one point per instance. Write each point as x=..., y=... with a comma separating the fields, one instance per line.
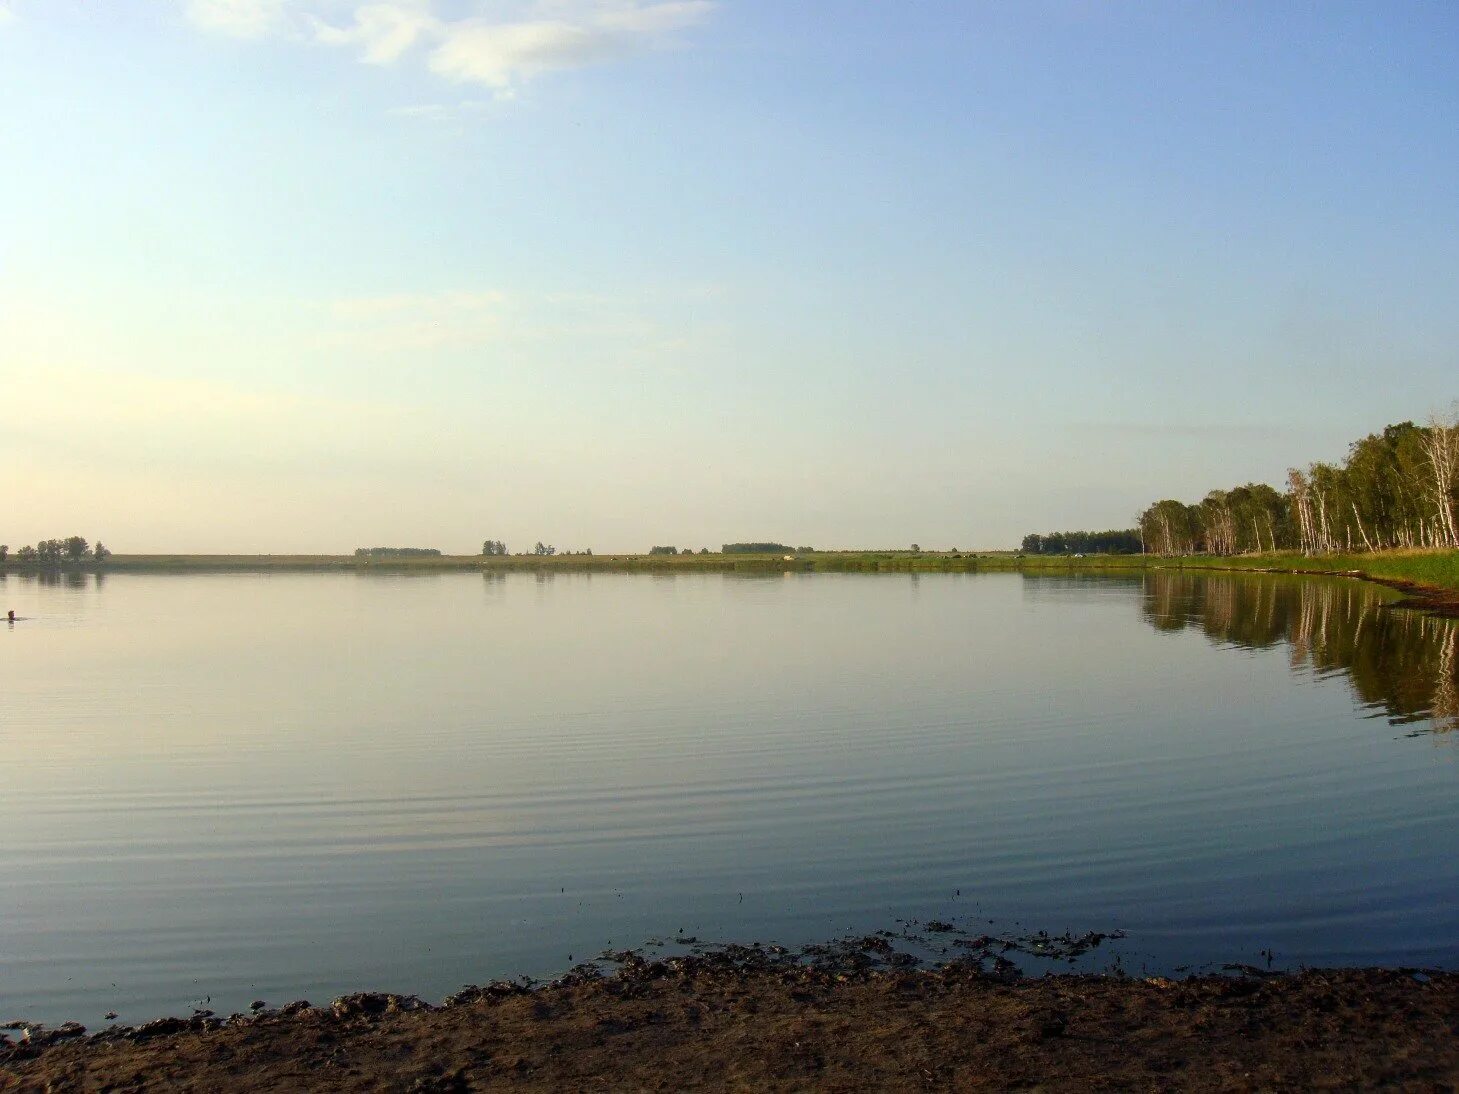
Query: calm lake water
x=221, y=788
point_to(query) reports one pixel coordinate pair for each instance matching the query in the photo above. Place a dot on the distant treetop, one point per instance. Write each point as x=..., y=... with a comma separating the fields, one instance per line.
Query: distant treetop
x=1397, y=489
x=755, y=549
x=1121, y=541
x=395, y=552
x=54, y=552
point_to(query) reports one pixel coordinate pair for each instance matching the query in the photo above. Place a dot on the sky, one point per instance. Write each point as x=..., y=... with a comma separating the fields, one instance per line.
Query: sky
x=308, y=275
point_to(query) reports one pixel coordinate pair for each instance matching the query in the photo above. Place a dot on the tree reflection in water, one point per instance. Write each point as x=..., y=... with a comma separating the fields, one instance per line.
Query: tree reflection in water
x=1401, y=663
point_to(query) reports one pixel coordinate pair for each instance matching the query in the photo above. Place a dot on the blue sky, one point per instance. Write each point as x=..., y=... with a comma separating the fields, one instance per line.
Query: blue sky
x=305, y=275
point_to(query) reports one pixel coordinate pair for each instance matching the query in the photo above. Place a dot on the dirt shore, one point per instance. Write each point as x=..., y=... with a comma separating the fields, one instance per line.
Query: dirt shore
x=721, y=1024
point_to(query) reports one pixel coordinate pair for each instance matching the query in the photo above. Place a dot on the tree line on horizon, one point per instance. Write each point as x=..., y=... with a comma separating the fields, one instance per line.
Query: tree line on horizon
x=55, y=552
x=1124, y=541
x=758, y=549
x=1398, y=488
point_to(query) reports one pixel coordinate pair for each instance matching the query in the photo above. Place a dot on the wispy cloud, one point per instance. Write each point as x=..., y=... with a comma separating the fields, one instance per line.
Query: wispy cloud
x=452, y=112
x=494, y=54
x=6, y=15
x=661, y=18
x=622, y=327
x=499, y=54
x=419, y=320
x=220, y=420
x=382, y=32
x=238, y=18
x=451, y=302
x=499, y=51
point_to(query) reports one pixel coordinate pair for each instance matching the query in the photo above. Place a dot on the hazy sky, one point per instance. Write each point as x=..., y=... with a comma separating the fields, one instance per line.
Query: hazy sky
x=305, y=275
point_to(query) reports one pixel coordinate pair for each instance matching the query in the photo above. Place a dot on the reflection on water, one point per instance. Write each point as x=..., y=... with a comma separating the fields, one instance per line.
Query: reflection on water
x=1400, y=663
x=52, y=579
x=229, y=787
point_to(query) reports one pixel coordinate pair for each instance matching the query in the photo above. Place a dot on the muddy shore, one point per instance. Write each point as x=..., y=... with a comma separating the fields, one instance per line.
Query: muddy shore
x=1424, y=598
x=724, y=1023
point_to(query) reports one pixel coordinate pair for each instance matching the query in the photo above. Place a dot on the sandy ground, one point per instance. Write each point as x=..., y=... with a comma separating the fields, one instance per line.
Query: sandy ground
x=716, y=1023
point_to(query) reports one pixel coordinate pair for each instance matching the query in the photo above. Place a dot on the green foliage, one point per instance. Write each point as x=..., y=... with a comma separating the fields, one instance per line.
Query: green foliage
x=1121, y=542
x=1436, y=568
x=663, y=550
x=396, y=552
x=493, y=547
x=754, y=549
x=54, y=552
x=1395, y=489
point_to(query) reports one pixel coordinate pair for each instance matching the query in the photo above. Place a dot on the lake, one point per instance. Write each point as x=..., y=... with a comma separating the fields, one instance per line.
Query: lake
x=217, y=788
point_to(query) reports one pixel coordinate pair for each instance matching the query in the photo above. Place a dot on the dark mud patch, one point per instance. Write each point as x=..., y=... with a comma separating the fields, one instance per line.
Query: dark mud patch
x=914, y=944
x=930, y=1005
x=732, y=1020
x=1423, y=598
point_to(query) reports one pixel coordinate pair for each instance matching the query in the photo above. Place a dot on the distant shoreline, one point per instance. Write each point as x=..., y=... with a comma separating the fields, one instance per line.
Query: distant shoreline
x=1428, y=575
x=824, y=561
x=1413, y=571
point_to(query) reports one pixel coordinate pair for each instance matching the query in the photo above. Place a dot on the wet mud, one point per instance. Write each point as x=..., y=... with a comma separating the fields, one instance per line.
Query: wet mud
x=855, y=1014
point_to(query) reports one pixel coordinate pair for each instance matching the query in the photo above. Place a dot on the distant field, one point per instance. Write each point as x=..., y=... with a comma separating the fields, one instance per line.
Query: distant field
x=1436, y=568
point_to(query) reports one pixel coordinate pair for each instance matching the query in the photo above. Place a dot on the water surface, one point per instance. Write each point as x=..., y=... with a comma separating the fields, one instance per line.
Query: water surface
x=217, y=788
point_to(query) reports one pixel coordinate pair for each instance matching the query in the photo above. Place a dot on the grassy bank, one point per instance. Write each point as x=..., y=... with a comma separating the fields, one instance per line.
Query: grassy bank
x=1435, y=569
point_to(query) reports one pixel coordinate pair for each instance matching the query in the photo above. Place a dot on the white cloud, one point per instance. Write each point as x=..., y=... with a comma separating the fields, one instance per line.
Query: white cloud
x=479, y=51
x=6, y=15
x=499, y=51
x=656, y=18
x=382, y=31
x=239, y=18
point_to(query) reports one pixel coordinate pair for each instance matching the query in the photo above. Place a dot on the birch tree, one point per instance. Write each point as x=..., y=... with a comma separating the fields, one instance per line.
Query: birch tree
x=1441, y=448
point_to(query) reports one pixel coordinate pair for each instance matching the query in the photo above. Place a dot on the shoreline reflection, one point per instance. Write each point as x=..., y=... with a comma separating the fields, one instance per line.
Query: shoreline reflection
x=1403, y=665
